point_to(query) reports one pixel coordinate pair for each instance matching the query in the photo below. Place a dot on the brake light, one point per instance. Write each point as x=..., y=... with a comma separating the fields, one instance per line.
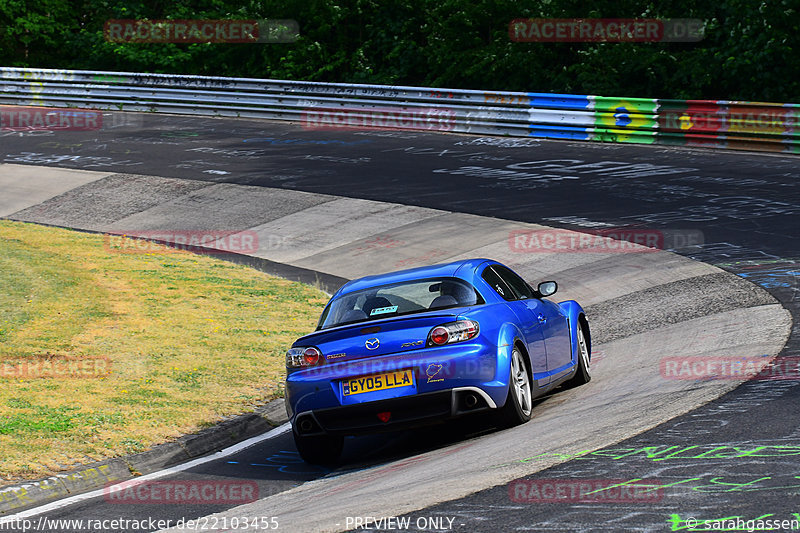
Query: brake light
x=303, y=356
x=462, y=330
x=311, y=356
x=440, y=335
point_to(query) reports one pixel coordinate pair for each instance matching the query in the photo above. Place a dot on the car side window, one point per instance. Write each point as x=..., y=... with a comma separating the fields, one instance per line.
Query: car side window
x=497, y=283
x=521, y=289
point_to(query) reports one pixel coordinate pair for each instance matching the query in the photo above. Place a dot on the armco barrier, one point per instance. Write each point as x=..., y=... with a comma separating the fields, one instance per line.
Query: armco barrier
x=702, y=123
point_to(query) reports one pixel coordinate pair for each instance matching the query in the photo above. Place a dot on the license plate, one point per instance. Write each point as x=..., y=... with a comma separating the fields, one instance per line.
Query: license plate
x=389, y=380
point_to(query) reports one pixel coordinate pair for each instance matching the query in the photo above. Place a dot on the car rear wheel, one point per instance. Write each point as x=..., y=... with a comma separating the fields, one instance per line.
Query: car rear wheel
x=319, y=449
x=519, y=403
x=582, y=375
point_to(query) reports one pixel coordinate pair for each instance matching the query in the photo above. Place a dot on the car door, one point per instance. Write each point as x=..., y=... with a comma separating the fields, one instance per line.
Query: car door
x=556, y=338
x=527, y=320
x=552, y=321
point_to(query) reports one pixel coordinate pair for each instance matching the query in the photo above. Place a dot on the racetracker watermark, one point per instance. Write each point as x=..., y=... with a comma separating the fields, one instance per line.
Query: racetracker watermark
x=15, y=118
x=584, y=491
x=342, y=118
x=201, y=31
x=606, y=30
x=182, y=492
x=199, y=241
x=725, y=118
x=606, y=240
x=56, y=366
x=717, y=368
x=425, y=371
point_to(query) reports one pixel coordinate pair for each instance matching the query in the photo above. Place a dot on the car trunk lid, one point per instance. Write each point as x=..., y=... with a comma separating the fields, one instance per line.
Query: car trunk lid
x=376, y=338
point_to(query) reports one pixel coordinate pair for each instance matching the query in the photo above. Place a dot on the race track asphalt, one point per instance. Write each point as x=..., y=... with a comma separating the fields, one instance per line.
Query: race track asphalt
x=734, y=456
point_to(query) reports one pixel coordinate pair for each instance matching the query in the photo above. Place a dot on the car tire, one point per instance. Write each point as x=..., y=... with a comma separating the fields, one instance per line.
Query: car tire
x=319, y=449
x=519, y=403
x=582, y=373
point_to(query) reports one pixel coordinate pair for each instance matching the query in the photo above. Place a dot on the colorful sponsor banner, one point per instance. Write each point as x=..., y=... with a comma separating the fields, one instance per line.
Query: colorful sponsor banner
x=761, y=119
x=560, y=101
x=18, y=118
x=200, y=31
x=695, y=123
x=716, y=118
x=560, y=116
x=405, y=118
x=623, y=119
x=696, y=116
x=542, y=30
x=624, y=112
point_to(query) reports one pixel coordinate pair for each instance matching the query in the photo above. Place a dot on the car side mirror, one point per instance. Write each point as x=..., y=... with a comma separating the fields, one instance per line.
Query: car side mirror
x=547, y=288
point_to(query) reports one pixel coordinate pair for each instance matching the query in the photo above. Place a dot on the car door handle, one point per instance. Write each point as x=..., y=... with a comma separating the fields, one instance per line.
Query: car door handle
x=542, y=318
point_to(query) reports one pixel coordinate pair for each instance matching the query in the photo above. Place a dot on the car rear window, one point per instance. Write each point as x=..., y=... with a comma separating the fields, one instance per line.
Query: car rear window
x=417, y=296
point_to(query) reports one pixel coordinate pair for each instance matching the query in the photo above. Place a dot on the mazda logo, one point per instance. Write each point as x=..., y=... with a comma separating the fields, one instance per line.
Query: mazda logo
x=372, y=344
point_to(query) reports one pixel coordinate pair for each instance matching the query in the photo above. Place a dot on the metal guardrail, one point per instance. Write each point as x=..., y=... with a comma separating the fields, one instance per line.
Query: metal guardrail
x=704, y=123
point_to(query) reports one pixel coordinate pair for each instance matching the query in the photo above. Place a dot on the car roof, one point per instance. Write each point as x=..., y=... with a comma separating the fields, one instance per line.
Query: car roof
x=463, y=269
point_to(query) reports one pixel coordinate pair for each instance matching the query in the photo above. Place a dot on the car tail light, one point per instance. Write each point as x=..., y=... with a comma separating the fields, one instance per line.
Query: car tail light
x=440, y=335
x=460, y=331
x=303, y=356
x=311, y=356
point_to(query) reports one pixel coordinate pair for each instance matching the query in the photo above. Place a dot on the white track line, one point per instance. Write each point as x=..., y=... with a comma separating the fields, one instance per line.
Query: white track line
x=280, y=430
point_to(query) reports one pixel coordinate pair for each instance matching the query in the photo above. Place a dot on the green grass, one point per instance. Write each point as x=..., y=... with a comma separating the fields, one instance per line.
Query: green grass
x=186, y=340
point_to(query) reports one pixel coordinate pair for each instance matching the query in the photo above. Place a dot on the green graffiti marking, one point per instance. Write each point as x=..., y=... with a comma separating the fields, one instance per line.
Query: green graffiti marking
x=671, y=453
x=715, y=485
x=109, y=78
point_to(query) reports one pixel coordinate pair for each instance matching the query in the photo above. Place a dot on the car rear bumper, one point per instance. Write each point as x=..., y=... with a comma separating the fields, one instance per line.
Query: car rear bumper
x=393, y=413
x=434, y=370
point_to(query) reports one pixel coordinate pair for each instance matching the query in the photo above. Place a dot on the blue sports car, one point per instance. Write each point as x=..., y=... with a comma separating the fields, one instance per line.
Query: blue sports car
x=423, y=345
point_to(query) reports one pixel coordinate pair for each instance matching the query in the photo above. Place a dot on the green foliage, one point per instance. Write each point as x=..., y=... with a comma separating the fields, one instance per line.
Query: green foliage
x=750, y=51
x=34, y=419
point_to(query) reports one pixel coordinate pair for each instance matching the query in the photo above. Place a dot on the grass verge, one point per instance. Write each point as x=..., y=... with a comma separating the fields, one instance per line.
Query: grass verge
x=104, y=353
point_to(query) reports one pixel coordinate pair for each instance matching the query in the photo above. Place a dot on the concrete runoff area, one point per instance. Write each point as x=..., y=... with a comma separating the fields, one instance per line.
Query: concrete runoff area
x=98, y=204
x=336, y=223
x=644, y=306
x=600, y=277
x=221, y=207
x=427, y=241
x=24, y=186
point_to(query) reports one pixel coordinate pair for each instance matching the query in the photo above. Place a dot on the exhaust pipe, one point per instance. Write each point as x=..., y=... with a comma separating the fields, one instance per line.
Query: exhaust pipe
x=470, y=400
x=306, y=425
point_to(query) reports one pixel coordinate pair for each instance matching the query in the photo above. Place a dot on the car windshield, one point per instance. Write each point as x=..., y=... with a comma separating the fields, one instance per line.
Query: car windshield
x=397, y=299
